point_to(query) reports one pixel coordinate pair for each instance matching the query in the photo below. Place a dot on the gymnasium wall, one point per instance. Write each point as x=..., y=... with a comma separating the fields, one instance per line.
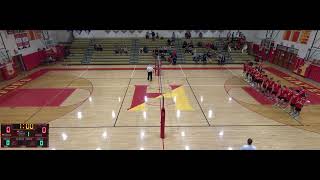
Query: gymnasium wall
x=61, y=36
x=142, y=33
x=11, y=45
x=303, y=48
x=31, y=57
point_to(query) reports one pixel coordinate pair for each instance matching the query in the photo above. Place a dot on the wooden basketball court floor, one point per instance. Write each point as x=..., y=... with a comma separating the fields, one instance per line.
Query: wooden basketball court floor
x=208, y=109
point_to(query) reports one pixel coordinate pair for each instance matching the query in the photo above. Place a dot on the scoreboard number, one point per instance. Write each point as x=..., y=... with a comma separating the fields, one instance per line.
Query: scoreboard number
x=8, y=129
x=44, y=130
x=41, y=143
x=7, y=142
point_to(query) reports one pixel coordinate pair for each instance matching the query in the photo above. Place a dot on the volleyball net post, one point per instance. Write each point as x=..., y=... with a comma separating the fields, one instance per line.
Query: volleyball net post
x=162, y=120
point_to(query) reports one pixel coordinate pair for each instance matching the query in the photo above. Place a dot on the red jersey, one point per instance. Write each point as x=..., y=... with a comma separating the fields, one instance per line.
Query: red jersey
x=300, y=102
x=256, y=74
x=302, y=92
x=260, y=77
x=245, y=67
x=265, y=82
x=270, y=84
x=253, y=71
x=295, y=98
x=276, y=87
x=249, y=69
x=284, y=92
x=289, y=94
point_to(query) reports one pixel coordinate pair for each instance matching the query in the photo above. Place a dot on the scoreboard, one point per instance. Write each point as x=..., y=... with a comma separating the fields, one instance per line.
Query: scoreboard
x=24, y=135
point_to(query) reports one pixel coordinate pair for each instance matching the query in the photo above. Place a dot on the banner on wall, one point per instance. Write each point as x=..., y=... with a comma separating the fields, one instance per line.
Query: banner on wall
x=286, y=35
x=22, y=40
x=295, y=36
x=34, y=35
x=298, y=36
x=304, y=37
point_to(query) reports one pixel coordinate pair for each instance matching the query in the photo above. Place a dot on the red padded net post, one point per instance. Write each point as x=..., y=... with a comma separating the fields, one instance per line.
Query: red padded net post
x=162, y=122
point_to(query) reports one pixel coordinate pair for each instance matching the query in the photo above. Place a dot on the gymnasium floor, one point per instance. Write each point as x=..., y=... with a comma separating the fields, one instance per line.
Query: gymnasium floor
x=207, y=107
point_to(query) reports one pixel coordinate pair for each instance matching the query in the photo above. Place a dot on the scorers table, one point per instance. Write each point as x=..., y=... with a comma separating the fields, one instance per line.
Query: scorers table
x=24, y=135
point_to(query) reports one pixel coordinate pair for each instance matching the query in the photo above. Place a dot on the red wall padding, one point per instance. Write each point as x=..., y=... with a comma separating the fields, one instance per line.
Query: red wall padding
x=314, y=72
x=32, y=60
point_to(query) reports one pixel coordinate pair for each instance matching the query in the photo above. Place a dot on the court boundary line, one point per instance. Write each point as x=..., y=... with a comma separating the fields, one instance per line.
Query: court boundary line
x=198, y=102
x=36, y=112
x=123, y=98
x=134, y=69
x=182, y=71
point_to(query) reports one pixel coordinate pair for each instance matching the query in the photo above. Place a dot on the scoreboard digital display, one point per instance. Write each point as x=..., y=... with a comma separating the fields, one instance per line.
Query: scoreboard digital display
x=24, y=135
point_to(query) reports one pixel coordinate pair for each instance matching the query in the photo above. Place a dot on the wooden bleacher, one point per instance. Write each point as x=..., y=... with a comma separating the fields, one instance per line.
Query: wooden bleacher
x=80, y=47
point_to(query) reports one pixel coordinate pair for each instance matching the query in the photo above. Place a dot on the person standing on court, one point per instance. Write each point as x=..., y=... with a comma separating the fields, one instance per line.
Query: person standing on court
x=248, y=146
x=149, y=71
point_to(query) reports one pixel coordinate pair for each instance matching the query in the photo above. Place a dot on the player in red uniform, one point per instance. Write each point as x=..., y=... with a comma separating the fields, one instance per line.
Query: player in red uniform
x=281, y=96
x=245, y=69
x=295, y=97
x=265, y=82
x=288, y=92
x=275, y=90
x=299, y=104
x=302, y=92
x=269, y=87
x=256, y=76
x=260, y=66
x=249, y=72
x=260, y=80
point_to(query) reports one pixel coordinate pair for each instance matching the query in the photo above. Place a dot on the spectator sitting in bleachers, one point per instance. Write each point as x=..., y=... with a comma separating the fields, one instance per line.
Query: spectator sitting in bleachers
x=156, y=52
x=204, y=58
x=125, y=50
x=200, y=35
x=100, y=48
x=145, y=49
x=168, y=42
x=140, y=50
x=185, y=44
x=165, y=49
x=95, y=47
x=191, y=44
x=244, y=49
x=157, y=36
x=187, y=35
x=117, y=50
x=153, y=35
x=188, y=49
x=147, y=35
x=173, y=37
